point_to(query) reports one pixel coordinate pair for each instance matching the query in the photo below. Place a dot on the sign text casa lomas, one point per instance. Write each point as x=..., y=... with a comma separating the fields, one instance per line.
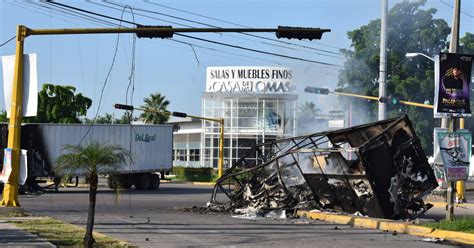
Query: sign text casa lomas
x=235, y=79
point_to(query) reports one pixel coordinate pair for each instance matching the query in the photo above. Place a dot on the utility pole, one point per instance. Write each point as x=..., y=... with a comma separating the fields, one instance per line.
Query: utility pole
x=453, y=48
x=383, y=62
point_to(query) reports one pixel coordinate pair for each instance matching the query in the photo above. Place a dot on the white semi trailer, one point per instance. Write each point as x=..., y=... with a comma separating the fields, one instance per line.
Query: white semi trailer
x=151, y=148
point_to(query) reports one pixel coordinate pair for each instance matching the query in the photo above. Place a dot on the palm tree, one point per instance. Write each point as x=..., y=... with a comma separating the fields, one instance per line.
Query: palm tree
x=155, y=102
x=94, y=159
x=308, y=110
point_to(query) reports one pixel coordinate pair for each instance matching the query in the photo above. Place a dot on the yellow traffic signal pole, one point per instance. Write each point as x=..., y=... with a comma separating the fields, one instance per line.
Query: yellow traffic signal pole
x=10, y=192
x=220, y=165
x=460, y=184
x=374, y=98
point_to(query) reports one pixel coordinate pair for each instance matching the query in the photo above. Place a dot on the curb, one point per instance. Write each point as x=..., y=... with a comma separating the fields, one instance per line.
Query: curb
x=390, y=226
x=203, y=183
x=443, y=204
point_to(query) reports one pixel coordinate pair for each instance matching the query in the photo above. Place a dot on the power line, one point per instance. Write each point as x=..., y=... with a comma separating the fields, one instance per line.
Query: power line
x=258, y=51
x=201, y=39
x=336, y=55
x=82, y=18
x=451, y=6
x=6, y=42
x=74, y=13
x=240, y=25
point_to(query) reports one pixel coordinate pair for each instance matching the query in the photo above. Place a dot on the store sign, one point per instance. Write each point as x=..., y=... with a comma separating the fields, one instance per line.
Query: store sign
x=250, y=79
x=453, y=85
x=455, y=149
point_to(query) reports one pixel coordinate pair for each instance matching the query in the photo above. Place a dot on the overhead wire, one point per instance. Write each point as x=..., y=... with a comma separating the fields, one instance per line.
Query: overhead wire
x=76, y=14
x=26, y=5
x=6, y=42
x=190, y=44
x=66, y=14
x=451, y=6
x=201, y=39
x=240, y=25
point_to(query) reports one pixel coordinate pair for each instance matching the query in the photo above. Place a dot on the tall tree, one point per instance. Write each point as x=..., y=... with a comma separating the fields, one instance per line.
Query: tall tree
x=410, y=29
x=60, y=104
x=127, y=118
x=94, y=158
x=155, y=102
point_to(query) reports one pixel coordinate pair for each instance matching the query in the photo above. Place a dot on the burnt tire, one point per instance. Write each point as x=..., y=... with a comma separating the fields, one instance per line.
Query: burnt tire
x=154, y=182
x=125, y=181
x=142, y=181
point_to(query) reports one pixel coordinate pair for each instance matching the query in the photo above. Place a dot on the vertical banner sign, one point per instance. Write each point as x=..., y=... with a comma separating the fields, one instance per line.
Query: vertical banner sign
x=455, y=148
x=452, y=85
x=7, y=165
x=30, y=83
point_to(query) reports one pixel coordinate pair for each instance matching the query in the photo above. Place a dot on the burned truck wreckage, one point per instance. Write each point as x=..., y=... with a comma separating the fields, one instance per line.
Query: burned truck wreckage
x=377, y=169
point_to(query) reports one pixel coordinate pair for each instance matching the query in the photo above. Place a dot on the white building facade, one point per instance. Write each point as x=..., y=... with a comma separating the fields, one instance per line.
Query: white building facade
x=258, y=105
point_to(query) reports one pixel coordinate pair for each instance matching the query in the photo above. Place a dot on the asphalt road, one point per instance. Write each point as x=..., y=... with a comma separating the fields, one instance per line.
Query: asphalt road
x=157, y=219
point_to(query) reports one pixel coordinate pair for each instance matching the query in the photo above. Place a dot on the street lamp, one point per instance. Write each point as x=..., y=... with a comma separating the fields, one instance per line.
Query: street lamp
x=412, y=55
x=10, y=190
x=220, y=166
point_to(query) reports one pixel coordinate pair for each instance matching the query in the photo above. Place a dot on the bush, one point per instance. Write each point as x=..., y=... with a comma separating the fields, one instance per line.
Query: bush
x=193, y=174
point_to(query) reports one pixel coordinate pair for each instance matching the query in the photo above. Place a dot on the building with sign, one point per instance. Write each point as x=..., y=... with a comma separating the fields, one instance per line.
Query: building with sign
x=258, y=105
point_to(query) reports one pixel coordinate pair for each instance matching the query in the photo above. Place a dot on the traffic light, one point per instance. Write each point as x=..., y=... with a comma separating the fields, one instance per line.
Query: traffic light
x=163, y=32
x=123, y=106
x=394, y=101
x=300, y=33
x=180, y=114
x=390, y=100
x=316, y=90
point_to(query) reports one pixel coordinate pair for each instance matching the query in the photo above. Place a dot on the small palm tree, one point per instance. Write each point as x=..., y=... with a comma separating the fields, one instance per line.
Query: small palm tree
x=155, y=102
x=93, y=159
x=308, y=110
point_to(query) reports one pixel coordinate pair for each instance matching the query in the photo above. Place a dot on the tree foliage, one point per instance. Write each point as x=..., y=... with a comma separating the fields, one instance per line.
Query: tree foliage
x=60, y=104
x=410, y=29
x=93, y=159
x=155, y=102
x=308, y=109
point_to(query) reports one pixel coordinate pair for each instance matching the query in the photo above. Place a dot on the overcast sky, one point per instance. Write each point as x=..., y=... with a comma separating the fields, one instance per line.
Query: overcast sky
x=177, y=67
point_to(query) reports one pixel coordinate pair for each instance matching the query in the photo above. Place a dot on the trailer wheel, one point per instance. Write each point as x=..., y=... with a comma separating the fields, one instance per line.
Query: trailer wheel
x=122, y=181
x=154, y=182
x=142, y=181
x=125, y=181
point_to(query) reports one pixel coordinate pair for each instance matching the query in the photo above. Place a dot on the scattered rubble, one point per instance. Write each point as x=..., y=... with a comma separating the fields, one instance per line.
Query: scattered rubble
x=377, y=169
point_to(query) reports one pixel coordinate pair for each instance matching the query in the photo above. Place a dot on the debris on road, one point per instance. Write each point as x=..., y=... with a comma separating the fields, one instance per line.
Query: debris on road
x=377, y=169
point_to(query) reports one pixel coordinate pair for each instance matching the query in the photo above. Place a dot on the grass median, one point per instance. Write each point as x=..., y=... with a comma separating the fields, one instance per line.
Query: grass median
x=459, y=224
x=63, y=234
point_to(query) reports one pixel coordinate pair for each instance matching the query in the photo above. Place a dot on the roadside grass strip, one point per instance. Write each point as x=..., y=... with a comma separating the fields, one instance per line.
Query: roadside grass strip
x=63, y=234
x=460, y=230
x=459, y=224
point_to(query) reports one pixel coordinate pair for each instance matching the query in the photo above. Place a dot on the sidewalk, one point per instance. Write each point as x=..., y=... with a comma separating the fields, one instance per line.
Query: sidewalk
x=12, y=236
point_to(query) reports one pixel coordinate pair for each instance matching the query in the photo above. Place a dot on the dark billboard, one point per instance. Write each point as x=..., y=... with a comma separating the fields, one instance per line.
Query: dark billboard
x=453, y=83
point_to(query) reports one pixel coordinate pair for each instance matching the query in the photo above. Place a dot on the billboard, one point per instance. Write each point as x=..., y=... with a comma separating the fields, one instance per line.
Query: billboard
x=250, y=79
x=453, y=76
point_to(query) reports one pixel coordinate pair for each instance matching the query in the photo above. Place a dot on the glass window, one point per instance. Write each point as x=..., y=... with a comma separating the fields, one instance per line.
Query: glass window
x=194, y=155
